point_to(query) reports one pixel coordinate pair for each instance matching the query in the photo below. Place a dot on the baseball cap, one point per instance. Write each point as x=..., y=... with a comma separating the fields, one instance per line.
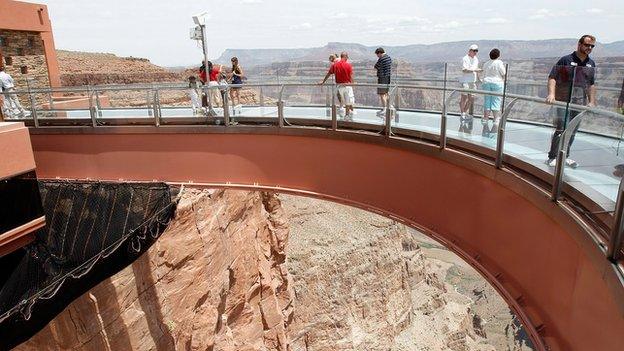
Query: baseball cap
x=474, y=47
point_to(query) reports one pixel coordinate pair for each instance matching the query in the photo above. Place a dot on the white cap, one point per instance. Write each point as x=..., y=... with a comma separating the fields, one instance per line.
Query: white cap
x=474, y=47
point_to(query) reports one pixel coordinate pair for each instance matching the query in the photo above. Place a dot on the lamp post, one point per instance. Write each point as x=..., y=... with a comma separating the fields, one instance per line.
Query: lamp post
x=200, y=20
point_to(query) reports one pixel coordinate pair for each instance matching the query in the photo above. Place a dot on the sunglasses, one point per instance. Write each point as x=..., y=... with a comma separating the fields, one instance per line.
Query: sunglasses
x=475, y=50
x=591, y=46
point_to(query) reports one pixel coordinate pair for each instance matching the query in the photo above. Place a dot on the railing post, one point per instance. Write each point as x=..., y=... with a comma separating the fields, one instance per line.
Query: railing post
x=226, y=108
x=156, y=107
x=564, y=139
x=500, y=141
x=280, y=108
x=397, y=100
x=33, y=103
x=261, y=97
x=92, y=112
x=327, y=102
x=50, y=101
x=98, y=104
x=615, y=241
x=334, y=111
x=443, y=117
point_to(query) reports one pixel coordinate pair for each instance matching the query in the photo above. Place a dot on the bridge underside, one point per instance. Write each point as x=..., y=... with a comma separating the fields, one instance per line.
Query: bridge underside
x=544, y=264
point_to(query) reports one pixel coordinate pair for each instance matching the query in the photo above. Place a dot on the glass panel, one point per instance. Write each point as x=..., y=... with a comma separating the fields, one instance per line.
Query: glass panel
x=306, y=104
x=129, y=103
x=417, y=110
x=528, y=132
x=368, y=107
x=594, y=157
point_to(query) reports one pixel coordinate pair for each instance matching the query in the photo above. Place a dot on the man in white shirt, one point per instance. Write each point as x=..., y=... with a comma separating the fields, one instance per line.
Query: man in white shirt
x=11, y=106
x=468, y=80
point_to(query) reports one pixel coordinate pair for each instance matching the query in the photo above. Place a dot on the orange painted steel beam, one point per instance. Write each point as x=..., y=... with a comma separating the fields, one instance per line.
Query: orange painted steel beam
x=20, y=236
x=538, y=256
x=15, y=150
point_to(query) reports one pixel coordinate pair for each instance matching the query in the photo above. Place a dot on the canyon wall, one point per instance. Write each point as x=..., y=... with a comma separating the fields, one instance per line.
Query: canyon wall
x=240, y=270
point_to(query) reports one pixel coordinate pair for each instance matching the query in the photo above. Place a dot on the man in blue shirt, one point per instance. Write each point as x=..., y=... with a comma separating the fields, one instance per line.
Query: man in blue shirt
x=571, y=80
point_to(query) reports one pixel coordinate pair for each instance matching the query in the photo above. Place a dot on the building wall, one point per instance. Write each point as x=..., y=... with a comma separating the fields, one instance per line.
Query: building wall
x=24, y=49
x=21, y=21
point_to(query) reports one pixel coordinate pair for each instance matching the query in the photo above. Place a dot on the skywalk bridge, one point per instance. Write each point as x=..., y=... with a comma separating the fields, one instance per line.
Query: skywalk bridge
x=549, y=239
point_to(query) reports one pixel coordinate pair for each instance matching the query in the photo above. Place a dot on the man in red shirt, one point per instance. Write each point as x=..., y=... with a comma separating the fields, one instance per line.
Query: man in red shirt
x=343, y=71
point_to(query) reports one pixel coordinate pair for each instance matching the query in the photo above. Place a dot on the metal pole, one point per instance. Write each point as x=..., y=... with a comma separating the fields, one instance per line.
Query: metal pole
x=505, y=88
x=280, y=109
x=562, y=155
x=204, y=47
x=33, y=103
x=226, y=108
x=334, y=111
x=157, y=107
x=98, y=104
x=327, y=102
x=92, y=112
x=443, y=117
x=501, y=126
x=500, y=141
x=615, y=241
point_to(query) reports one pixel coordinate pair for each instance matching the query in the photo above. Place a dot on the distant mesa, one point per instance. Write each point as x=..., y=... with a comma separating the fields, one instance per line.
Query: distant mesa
x=420, y=53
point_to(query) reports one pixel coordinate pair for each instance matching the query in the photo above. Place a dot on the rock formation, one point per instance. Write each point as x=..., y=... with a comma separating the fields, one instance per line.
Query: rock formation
x=215, y=280
x=240, y=270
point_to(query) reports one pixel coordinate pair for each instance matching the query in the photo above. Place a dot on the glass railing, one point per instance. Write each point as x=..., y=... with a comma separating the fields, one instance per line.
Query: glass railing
x=498, y=122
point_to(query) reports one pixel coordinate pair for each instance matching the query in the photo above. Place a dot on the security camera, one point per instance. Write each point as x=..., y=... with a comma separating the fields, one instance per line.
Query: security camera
x=200, y=18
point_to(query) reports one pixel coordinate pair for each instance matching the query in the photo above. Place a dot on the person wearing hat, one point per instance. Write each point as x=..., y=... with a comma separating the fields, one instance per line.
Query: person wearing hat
x=468, y=80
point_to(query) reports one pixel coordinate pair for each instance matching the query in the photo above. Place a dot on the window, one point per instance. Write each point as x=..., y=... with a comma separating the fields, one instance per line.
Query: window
x=8, y=60
x=24, y=69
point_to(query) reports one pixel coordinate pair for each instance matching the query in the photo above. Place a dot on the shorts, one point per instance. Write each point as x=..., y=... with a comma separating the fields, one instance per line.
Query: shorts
x=346, y=93
x=383, y=80
x=490, y=102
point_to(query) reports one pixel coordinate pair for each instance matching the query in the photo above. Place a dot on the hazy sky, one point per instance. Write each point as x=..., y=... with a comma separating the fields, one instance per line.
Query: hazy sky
x=159, y=30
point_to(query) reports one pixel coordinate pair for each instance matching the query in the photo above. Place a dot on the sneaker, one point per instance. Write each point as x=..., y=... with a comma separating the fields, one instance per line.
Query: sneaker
x=571, y=163
x=381, y=113
x=462, y=117
x=552, y=162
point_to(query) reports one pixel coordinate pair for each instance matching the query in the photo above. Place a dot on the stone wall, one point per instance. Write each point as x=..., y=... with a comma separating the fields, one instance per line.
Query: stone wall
x=24, y=49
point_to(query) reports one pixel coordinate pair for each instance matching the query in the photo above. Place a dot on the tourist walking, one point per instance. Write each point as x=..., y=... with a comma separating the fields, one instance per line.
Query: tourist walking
x=571, y=80
x=384, y=72
x=193, y=92
x=236, y=78
x=11, y=106
x=343, y=73
x=468, y=80
x=213, y=82
x=333, y=58
x=493, y=80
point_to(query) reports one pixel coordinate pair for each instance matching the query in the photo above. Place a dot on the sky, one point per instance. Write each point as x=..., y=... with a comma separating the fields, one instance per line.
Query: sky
x=159, y=30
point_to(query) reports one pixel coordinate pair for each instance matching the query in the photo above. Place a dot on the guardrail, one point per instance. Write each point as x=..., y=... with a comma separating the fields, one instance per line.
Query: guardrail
x=559, y=189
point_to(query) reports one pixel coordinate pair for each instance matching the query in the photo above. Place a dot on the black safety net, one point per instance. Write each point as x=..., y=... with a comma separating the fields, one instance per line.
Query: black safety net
x=93, y=230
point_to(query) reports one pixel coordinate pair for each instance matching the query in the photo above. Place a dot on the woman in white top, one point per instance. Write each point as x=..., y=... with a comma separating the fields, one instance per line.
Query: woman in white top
x=493, y=80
